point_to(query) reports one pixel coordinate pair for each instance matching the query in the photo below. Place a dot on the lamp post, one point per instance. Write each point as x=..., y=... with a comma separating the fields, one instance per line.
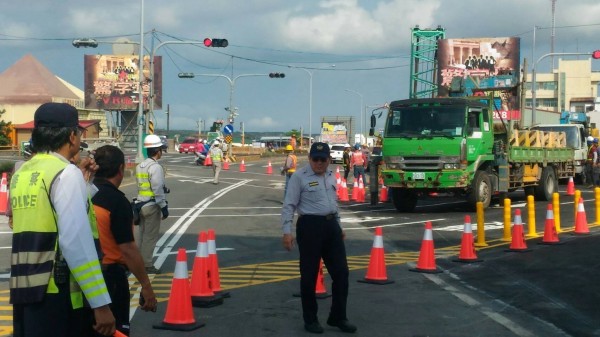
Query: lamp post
x=360, y=113
x=310, y=94
x=140, y=157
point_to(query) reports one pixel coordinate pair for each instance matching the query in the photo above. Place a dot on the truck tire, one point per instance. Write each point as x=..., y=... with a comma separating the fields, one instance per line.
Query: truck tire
x=481, y=190
x=404, y=200
x=547, y=185
x=529, y=190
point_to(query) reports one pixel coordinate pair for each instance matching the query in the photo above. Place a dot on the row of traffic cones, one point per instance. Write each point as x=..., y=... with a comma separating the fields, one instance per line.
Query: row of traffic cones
x=204, y=289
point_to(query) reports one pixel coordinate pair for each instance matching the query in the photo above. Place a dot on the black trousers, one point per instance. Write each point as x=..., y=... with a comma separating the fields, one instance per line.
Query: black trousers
x=115, y=277
x=320, y=237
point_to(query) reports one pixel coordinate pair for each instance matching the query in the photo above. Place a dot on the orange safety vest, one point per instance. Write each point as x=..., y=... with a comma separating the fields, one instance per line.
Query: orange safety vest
x=292, y=168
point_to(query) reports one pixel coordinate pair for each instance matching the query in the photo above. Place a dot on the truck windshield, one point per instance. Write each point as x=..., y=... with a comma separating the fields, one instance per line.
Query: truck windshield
x=425, y=122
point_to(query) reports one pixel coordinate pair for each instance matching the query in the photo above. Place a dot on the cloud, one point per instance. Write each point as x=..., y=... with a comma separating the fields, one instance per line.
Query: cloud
x=262, y=123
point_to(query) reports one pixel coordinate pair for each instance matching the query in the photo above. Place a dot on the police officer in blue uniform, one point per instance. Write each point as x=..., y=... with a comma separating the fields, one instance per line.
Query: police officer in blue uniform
x=312, y=193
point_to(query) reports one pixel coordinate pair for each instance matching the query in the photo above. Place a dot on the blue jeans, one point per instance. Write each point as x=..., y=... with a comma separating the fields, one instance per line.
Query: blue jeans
x=360, y=170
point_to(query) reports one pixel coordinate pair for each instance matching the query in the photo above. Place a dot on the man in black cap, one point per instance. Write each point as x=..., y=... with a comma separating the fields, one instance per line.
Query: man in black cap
x=55, y=244
x=312, y=193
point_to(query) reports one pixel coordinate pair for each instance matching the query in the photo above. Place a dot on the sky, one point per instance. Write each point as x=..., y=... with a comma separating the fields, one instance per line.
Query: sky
x=358, y=51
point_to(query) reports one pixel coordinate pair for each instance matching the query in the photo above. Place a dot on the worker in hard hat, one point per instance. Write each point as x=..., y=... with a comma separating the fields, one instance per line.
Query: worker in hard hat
x=591, y=160
x=289, y=166
x=216, y=155
x=346, y=160
x=151, y=200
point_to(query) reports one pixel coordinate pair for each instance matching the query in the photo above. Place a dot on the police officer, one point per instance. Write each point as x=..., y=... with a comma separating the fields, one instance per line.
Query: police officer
x=54, y=244
x=311, y=193
x=151, y=200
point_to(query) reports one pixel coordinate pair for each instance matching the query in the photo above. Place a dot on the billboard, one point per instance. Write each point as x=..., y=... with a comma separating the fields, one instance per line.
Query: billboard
x=111, y=82
x=334, y=132
x=475, y=66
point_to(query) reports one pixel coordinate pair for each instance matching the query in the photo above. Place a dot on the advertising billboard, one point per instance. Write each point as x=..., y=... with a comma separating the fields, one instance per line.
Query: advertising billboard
x=111, y=82
x=479, y=66
x=334, y=132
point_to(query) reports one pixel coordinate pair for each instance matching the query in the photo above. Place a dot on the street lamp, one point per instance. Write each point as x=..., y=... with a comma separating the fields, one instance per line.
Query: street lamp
x=360, y=113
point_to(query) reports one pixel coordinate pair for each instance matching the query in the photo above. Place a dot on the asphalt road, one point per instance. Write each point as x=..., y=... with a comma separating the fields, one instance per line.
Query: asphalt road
x=549, y=291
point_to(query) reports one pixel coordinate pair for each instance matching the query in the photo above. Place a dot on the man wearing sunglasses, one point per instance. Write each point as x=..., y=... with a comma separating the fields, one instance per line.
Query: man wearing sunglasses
x=311, y=192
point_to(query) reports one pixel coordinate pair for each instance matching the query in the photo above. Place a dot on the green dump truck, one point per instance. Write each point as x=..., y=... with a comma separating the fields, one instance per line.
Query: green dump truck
x=452, y=146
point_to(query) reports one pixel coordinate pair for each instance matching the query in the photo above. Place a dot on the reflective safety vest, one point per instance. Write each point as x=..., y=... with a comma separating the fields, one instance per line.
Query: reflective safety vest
x=143, y=178
x=292, y=168
x=35, y=234
x=591, y=150
x=216, y=154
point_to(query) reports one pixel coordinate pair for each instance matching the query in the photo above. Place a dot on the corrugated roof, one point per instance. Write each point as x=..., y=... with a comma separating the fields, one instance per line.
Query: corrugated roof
x=28, y=81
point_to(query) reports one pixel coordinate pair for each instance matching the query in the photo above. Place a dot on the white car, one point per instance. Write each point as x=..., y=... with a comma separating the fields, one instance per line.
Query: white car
x=337, y=153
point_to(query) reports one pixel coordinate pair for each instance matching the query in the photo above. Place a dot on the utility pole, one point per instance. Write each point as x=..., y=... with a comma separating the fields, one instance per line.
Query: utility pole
x=199, y=128
x=168, y=112
x=243, y=135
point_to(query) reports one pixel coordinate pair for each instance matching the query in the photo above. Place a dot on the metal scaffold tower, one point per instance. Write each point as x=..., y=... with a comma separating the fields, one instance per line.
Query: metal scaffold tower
x=423, y=61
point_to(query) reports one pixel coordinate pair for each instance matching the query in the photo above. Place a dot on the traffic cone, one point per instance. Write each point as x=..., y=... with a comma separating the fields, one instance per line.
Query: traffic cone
x=344, y=192
x=179, y=315
x=550, y=234
x=269, y=168
x=581, y=226
x=426, y=262
x=208, y=160
x=226, y=165
x=518, y=239
x=201, y=292
x=3, y=194
x=467, y=250
x=354, y=196
x=361, y=190
x=119, y=334
x=321, y=289
x=383, y=195
x=243, y=166
x=337, y=174
x=377, y=273
x=213, y=265
x=570, y=187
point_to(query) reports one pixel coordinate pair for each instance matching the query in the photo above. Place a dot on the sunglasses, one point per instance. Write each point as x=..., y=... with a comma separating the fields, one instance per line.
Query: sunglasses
x=322, y=160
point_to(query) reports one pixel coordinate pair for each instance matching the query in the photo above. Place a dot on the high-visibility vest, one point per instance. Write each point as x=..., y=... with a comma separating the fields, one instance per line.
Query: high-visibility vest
x=34, y=221
x=292, y=168
x=143, y=178
x=216, y=154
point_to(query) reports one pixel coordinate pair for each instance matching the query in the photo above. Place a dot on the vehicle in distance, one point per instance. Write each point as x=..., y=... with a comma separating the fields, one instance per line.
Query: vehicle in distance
x=337, y=153
x=189, y=145
x=165, y=143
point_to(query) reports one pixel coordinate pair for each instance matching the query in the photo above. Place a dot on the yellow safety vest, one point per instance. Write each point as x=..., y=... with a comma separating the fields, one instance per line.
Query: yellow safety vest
x=292, y=168
x=35, y=233
x=143, y=180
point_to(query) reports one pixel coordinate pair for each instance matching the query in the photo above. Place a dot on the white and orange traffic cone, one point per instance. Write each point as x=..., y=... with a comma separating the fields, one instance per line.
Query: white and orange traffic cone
x=354, y=196
x=201, y=292
x=269, y=168
x=226, y=165
x=243, y=166
x=208, y=160
x=518, y=238
x=550, y=234
x=377, y=272
x=467, y=249
x=383, y=194
x=3, y=194
x=179, y=315
x=213, y=264
x=337, y=174
x=361, y=190
x=344, y=191
x=571, y=187
x=320, y=288
x=426, y=261
x=581, y=224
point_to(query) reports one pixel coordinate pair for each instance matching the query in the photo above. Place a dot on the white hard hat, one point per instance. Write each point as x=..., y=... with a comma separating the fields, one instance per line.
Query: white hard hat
x=152, y=141
x=216, y=142
x=590, y=139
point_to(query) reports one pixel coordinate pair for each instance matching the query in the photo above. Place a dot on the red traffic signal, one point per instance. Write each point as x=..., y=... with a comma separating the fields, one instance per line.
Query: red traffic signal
x=216, y=42
x=276, y=75
x=596, y=54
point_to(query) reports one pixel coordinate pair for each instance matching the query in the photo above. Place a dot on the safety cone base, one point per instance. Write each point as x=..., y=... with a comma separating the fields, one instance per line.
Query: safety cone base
x=223, y=294
x=379, y=282
x=580, y=233
x=550, y=243
x=525, y=250
x=318, y=296
x=426, y=271
x=178, y=327
x=467, y=260
x=206, y=301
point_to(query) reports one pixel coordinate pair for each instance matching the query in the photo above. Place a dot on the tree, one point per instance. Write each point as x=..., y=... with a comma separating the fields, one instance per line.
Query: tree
x=293, y=132
x=5, y=130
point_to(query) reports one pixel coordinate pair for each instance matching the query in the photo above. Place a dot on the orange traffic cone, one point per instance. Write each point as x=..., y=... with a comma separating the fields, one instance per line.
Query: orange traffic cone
x=208, y=160
x=269, y=168
x=337, y=173
x=518, y=239
x=243, y=166
x=344, y=192
x=179, y=315
x=3, y=194
x=377, y=273
x=119, y=334
x=581, y=226
x=383, y=195
x=426, y=262
x=213, y=265
x=225, y=165
x=550, y=234
x=354, y=196
x=361, y=190
x=570, y=187
x=467, y=250
x=201, y=292
x=320, y=289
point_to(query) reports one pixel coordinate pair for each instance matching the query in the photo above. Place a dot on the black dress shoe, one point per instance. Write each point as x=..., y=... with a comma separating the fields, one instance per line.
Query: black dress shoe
x=313, y=327
x=343, y=325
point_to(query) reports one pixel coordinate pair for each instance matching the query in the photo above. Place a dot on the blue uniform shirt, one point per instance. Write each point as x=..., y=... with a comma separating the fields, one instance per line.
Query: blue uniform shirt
x=309, y=194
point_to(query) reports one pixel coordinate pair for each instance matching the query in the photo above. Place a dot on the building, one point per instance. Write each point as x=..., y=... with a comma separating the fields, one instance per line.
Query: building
x=572, y=86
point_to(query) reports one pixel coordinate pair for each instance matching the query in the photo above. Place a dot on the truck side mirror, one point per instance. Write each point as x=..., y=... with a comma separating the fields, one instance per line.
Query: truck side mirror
x=373, y=121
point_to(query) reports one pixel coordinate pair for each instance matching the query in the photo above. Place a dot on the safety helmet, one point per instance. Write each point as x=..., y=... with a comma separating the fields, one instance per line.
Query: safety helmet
x=356, y=146
x=590, y=139
x=203, y=141
x=152, y=141
x=216, y=143
x=289, y=148
x=596, y=140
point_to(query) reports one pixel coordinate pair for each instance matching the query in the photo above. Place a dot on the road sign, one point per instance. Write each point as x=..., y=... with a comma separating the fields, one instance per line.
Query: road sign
x=228, y=139
x=228, y=129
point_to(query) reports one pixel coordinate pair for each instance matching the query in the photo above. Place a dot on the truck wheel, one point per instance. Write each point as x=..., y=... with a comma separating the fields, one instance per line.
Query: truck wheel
x=547, y=185
x=404, y=200
x=529, y=190
x=481, y=190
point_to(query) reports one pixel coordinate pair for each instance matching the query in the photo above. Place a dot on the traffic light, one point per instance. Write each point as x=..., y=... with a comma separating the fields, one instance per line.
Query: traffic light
x=596, y=54
x=276, y=75
x=216, y=42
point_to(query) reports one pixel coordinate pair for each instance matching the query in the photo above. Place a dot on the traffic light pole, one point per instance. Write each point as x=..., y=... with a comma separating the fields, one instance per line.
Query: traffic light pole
x=140, y=156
